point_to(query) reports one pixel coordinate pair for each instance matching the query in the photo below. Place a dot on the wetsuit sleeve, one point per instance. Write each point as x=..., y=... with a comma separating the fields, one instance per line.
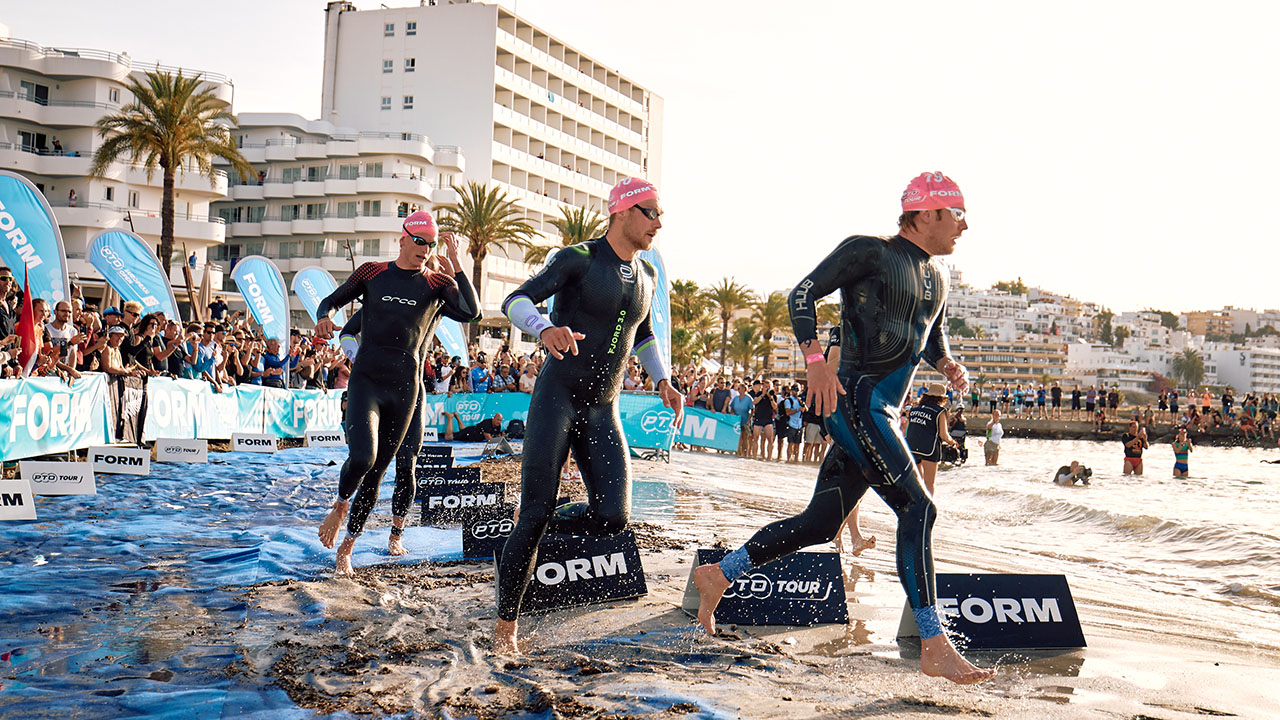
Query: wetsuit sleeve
x=350, y=290
x=461, y=303
x=937, y=347
x=833, y=338
x=566, y=267
x=854, y=258
x=649, y=353
x=347, y=336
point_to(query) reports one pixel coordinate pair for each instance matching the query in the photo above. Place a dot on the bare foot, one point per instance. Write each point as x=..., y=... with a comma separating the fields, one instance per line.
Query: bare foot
x=863, y=543
x=395, y=547
x=344, y=555
x=332, y=522
x=939, y=658
x=504, y=638
x=711, y=584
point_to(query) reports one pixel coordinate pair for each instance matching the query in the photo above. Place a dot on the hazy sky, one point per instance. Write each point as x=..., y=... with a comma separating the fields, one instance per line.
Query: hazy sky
x=1123, y=152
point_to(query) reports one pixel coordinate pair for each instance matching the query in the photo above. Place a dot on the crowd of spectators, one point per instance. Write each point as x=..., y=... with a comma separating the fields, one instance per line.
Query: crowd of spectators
x=76, y=337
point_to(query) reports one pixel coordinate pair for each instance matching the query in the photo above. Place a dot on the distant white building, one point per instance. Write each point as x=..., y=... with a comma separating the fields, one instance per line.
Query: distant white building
x=50, y=99
x=329, y=196
x=549, y=124
x=1246, y=369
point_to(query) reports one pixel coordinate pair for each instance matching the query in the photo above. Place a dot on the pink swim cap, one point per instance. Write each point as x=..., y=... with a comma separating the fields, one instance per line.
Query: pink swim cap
x=421, y=224
x=932, y=191
x=630, y=192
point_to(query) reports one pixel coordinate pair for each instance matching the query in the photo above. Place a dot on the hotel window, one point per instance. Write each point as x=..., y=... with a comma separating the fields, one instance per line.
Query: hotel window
x=372, y=208
x=386, y=102
x=315, y=211
x=113, y=94
x=348, y=172
x=371, y=246
x=256, y=212
x=389, y=30
x=290, y=212
x=388, y=66
x=109, y=193
x=373, y=169
x=411, y=28
x=410, y=64
x=408, y=102
x=133, y=199
x=313, y=248
x=291, y=174
x=347, y=209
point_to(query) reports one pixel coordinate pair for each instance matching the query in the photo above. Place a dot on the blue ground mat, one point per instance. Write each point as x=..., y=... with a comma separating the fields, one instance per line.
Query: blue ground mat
x=98, y=596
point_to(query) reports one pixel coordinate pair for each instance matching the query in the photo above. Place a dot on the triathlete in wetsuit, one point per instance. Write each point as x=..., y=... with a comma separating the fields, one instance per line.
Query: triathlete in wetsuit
x=404, y=299
x=406, y=457
x=603, y=294
x=892, y=317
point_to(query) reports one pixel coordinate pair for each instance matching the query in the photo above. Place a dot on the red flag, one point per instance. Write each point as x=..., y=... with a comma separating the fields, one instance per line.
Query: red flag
x=30, y=350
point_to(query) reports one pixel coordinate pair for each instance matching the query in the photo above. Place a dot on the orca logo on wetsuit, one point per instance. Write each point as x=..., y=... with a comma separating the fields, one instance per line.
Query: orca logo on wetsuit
x=627, y=273
x=402, y=301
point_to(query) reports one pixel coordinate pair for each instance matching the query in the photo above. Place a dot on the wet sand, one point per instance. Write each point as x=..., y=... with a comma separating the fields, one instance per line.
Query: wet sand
x=415, y=639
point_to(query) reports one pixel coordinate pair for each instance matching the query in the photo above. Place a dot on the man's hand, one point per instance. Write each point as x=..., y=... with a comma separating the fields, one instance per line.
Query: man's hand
x=451, y=249
x=559, y=340
x=823, y=389
x=673, y=399
x=325, y=328
x=955, y=373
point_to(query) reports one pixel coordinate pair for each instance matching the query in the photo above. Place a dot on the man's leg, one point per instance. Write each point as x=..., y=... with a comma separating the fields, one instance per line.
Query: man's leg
x=603, y=458
x=393, y=422
x=546, y=442
x=362, y=429
x=840, y=485
x=406, y=480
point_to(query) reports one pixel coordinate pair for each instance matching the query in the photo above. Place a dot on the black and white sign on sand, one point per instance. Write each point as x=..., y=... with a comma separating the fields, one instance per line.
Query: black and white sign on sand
x=445, y=505
x=485, y=530
x=575, y=570
x=803, y=588
x=1004, y=612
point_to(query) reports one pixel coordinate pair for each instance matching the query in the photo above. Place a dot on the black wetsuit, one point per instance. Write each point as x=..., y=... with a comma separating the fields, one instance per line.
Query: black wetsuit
x=407, y=455
x=574, y=404
x=893, y=296
x=386, y=380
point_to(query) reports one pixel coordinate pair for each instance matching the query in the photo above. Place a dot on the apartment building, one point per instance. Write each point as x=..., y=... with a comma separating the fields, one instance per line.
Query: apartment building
x=329, y=196
x=50, y=99
x=547, y=123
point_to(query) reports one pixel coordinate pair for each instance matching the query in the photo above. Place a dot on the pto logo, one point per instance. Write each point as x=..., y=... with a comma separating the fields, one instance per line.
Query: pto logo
x=492, y=529
x=469, y=406
x=658, y=421
x=51, y=478
x=759, y=587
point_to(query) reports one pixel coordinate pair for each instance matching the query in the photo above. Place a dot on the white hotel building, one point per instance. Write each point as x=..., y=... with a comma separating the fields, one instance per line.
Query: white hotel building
x=551, y=126
x=50, y=99
x=328, y=196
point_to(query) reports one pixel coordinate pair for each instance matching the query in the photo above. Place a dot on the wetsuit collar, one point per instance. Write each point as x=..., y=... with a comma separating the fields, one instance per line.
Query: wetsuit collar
x=911, y=247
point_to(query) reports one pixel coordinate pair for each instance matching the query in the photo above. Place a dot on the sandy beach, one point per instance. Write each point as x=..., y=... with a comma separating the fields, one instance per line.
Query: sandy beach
x=413, y=639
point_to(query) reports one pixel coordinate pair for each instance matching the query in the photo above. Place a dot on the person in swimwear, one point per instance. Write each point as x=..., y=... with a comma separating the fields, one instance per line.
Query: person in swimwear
x=894, y=292
x=402, y=300
x=603, y=293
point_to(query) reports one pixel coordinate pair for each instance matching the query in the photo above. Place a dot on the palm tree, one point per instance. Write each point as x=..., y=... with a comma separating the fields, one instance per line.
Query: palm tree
x=687, y=302
x=1188, y=367
x=171, y=124
x=727, y=298
x=770, y=315
x=682, y=346
x=488, y=219
x=575, y=226
x=828, y=314
x=746, y=344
